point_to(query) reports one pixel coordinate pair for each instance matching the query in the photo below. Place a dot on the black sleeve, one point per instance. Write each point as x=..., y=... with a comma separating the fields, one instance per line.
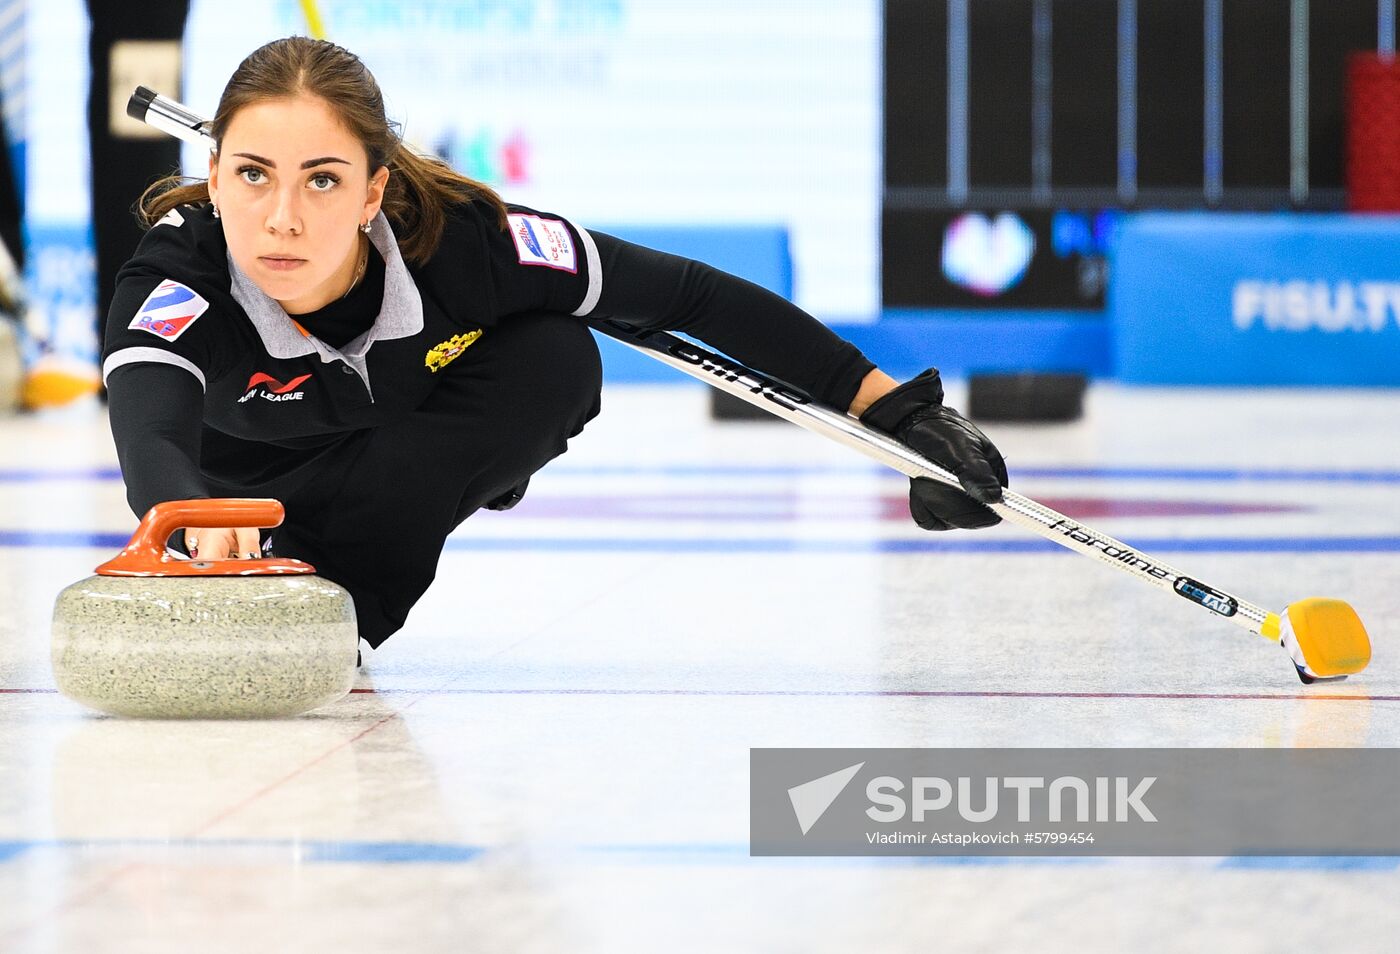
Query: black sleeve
x=538, y=262
x=157, y=319
x=156, y=411
x=749, y=323
x=542, y=261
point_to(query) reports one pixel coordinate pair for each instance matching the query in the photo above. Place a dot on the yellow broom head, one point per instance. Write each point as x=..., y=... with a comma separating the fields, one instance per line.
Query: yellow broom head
x=1324, y=637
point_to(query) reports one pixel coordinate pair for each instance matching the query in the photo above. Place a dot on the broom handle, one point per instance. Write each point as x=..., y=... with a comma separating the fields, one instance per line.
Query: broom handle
x=792, y=405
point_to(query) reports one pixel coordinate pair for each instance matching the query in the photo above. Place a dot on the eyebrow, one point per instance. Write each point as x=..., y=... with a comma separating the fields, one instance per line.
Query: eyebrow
x=305, y=165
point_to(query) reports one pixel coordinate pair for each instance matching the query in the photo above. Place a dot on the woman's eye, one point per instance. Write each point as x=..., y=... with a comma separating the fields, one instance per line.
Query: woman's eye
x=251, y=174
x=323, y=181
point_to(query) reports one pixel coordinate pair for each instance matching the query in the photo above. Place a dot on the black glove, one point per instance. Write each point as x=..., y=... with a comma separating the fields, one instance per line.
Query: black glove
x=914, y=413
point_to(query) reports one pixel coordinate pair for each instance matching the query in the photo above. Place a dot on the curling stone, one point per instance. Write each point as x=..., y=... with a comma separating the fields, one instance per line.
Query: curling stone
x=155, y=636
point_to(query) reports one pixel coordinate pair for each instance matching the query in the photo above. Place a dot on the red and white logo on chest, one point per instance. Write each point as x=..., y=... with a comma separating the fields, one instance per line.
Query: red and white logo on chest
x=269, y=388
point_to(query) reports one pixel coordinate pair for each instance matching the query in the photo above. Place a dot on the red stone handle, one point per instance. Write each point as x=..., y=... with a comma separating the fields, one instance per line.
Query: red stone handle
x=145, y=555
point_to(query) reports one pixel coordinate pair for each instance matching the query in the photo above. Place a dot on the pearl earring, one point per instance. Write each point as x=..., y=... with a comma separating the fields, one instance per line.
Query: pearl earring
x=365, y=228
x=216, y=211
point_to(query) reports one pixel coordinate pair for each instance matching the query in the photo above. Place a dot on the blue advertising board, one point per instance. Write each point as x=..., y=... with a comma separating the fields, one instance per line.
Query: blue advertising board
x=1285, y=299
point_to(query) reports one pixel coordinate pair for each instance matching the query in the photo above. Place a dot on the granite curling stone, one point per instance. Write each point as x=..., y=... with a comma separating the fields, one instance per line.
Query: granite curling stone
x=159, y=637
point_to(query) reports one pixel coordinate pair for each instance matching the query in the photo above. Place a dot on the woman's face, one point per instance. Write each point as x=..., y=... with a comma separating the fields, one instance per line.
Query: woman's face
x=292, y=186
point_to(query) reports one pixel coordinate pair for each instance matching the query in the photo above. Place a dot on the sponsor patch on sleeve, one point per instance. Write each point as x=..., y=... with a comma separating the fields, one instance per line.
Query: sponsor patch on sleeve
x=169, y=310
x=540, y=241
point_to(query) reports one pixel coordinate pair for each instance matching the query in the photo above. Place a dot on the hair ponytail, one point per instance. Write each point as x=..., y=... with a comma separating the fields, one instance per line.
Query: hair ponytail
x=165, y=194
x=416, y=198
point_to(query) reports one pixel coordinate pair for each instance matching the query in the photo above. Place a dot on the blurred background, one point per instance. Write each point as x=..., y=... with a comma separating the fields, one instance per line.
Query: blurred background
x=1154, y=191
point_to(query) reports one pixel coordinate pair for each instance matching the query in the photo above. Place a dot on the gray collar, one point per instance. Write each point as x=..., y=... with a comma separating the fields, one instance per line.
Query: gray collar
x=401, y=315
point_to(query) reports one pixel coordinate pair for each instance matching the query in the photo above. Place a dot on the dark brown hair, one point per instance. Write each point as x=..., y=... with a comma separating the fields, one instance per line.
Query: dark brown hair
x=420, y=188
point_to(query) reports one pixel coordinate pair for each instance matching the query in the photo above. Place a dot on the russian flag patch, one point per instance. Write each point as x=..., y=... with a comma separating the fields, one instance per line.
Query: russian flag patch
x=540, y=241
x=169, y=310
